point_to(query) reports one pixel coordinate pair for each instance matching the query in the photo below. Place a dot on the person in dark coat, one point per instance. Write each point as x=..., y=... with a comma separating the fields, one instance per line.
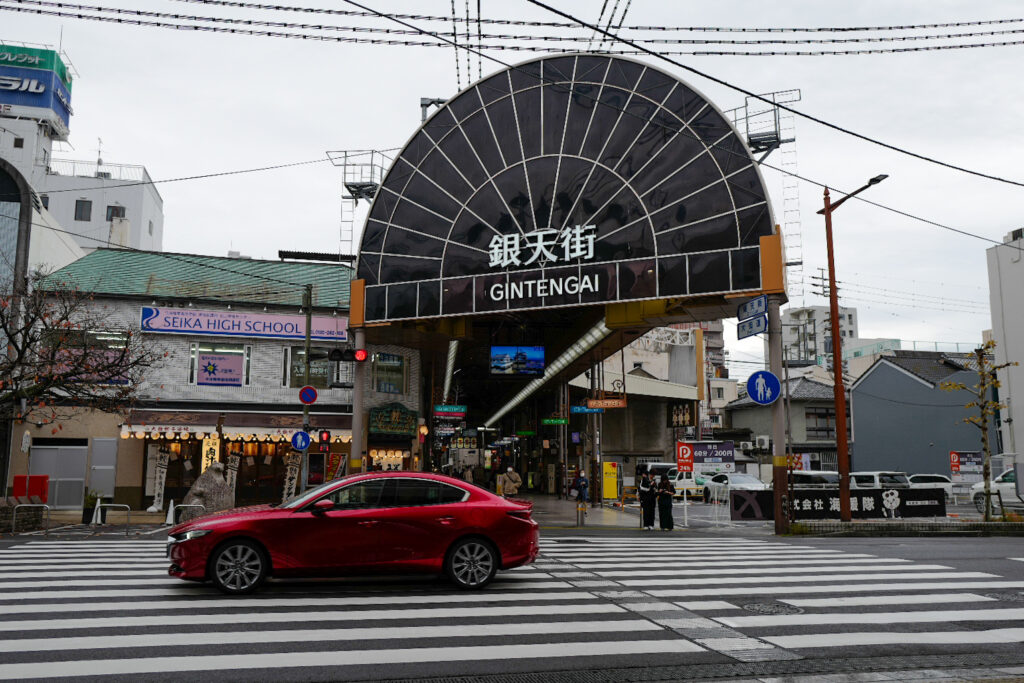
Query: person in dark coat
x=647, y=495
x=666, y=491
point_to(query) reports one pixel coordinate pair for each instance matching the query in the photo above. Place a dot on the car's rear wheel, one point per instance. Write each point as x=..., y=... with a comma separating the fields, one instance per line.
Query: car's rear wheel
x=472, y=563
x=238, y=567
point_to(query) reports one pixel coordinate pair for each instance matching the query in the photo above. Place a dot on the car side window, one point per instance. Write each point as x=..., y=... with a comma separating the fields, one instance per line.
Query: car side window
x=720, y=479
x=1009, y=477
x=363, y=494
x=417, y=492
x=864, y=480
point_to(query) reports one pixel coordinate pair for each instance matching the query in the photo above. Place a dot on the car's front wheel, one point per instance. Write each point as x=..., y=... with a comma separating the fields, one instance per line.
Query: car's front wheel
x=238, y=567
x=472, y=563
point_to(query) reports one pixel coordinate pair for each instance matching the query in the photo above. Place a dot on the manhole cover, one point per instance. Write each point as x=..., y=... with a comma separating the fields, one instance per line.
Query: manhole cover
x=772, y=608
x=1006, y=597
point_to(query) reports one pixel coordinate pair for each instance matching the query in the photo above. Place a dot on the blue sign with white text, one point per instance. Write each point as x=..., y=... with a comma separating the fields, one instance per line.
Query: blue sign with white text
x=37, y=88
x=763, y=387
x=584, y=410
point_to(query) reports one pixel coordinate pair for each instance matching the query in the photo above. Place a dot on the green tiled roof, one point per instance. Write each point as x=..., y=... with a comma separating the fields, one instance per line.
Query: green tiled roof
x=191, y=276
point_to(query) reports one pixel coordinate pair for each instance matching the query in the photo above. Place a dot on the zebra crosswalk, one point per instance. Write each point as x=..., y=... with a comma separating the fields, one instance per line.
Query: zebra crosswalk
x=107, y=609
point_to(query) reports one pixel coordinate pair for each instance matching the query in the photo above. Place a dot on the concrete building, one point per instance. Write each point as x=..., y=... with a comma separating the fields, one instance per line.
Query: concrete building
x=235, y=360
x=860, y=354
x=1005, y=284
x=812, y=424
x=103, y=204
x=902, y=419
x=807, y=332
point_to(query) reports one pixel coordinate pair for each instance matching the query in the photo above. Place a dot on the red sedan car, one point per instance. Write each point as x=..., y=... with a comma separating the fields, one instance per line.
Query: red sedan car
x=398, y=522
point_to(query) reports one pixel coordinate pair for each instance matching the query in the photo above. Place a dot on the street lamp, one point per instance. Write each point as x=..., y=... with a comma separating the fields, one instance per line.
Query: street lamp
x=842, y=448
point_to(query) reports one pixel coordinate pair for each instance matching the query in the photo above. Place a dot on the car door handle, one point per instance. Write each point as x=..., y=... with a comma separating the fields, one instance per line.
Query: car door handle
x=446, y=520
x=369, y=522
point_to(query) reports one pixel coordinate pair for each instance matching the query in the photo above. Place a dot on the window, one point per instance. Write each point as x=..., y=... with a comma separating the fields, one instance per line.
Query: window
x=96, y=356
x=19, y=143
x=864, y=480
x=364, y=494
x=389, y=374
x=115, y=211
x=83, y=210
x=151, y=228
x=850, y=318
x=821, y=423
x=322, y=372
x=224, y=365
x=416, y=492
x=45, y=199
x=719, y=392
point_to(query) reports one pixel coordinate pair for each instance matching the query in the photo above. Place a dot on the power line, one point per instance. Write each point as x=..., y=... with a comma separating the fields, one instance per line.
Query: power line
x=783, y=107
x=558, y=24
x=200, y=27
x=201, y=176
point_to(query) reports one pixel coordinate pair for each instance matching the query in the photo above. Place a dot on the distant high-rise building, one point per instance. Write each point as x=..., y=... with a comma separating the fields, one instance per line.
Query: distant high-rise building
x=102, y=204
x=807, y=332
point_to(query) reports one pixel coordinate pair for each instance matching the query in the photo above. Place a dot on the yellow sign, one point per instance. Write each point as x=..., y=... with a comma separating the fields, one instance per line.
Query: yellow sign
x=610, y=479
x=211, y=452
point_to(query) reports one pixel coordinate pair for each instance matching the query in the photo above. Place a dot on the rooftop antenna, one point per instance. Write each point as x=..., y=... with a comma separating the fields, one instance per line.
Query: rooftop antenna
x=99, y=152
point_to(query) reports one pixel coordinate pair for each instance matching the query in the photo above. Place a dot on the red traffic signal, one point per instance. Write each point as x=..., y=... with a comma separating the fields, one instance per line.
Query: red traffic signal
x=325, y=441
x=354, y=355
x=325, y=435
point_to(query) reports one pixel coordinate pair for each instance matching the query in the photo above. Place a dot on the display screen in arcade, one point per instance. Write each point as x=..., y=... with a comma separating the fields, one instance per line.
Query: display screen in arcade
x=517, y=360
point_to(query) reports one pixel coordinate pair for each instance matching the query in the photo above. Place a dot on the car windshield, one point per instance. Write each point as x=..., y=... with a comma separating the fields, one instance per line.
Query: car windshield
x=892, y=478
x=744, y=479
x=312, y=494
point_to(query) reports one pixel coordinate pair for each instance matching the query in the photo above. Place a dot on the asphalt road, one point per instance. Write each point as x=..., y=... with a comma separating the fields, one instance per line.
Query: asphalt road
x=606, y=605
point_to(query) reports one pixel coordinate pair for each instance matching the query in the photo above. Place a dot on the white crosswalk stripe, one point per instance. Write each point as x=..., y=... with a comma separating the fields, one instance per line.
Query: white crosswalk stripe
x=107, y=608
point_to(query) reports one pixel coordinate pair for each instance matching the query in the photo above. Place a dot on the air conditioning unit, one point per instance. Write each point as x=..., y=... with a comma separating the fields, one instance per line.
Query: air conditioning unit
x=762, y=442
x=746, y=446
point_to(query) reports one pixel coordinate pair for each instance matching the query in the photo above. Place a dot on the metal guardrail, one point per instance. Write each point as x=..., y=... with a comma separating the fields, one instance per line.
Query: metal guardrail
x=14, y=516
x=127, y=513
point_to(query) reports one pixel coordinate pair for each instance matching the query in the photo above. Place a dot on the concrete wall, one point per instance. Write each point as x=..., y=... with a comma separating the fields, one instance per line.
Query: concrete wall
x=902, y=423
x=1005, y=284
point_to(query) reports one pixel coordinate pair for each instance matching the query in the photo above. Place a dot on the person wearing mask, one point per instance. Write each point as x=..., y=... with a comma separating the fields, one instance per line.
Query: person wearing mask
x=510, y=482
x=647, y=495
x=582, y=485
x=666, y=492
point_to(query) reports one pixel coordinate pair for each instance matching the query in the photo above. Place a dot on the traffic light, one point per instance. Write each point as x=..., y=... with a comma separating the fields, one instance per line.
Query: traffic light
x=354, y=355
x=325, y=441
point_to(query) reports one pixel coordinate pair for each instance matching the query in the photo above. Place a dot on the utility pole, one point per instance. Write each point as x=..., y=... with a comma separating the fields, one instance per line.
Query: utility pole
x=779, y=474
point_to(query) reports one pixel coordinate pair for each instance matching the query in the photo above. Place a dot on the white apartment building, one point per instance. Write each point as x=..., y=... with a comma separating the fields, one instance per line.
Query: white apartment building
x=807, y=331
x=1005, y=284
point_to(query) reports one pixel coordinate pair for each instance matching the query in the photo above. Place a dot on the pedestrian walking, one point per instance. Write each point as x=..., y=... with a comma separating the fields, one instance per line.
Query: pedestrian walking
x=510, y=482
x=666, y=492
x=467, y=474
x=647, y=496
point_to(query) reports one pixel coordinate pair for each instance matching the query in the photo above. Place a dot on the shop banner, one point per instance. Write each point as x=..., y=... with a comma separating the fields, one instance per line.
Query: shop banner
x=221, y=370
x=242, y=324
x=333, y=464
x=824, y=504
x=211, y=452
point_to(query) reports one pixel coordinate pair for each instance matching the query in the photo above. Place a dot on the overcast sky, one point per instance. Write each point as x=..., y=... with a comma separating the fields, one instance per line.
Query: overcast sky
x=189, y=103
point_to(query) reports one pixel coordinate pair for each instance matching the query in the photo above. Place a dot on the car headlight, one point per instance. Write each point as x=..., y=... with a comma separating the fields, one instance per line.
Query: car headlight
x=189, y=535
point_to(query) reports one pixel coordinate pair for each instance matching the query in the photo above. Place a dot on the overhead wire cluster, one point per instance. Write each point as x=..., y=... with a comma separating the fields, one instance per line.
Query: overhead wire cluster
x=893, y=39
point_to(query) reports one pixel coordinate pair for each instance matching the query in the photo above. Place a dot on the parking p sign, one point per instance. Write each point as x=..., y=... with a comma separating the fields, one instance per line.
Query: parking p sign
x=684, y=457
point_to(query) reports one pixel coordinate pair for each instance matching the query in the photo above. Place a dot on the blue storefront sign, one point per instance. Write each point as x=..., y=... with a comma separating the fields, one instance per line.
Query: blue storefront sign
x=22, y=89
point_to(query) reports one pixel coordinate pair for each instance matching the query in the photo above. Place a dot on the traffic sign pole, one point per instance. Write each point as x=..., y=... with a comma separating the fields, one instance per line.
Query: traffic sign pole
x=779, y=473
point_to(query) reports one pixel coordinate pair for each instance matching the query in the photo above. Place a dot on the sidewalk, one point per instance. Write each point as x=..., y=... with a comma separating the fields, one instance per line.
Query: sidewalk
x=552, y=513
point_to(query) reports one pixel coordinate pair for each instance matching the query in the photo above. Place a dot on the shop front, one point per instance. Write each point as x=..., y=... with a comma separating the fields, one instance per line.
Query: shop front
x=253, y=446
x=391, y=438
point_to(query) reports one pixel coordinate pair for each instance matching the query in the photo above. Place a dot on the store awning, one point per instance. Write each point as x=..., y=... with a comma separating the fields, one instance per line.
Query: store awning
x=234, y=426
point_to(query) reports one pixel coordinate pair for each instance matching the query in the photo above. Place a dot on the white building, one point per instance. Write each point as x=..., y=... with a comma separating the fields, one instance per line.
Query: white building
x=807, y=331
x=102, y=204
x=1005, y=284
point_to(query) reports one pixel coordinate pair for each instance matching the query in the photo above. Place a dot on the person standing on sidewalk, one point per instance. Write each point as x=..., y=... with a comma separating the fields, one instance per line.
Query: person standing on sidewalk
x=510, y=482
x=647, y=496
x=582, y=484
x=666, y=492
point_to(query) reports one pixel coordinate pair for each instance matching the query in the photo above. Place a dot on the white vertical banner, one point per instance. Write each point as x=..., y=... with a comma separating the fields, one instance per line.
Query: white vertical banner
x=293, y=462
x=233, y=462
x=159, y=477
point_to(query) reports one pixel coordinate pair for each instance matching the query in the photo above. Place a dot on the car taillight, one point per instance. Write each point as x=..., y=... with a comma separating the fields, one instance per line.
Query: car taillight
x=520, y=514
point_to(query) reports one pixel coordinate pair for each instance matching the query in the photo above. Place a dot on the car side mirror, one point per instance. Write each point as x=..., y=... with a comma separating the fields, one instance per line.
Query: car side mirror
x=322, y=506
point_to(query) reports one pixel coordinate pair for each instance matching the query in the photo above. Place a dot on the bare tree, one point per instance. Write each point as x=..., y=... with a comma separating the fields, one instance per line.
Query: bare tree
x=986, y=407
x=63, y=351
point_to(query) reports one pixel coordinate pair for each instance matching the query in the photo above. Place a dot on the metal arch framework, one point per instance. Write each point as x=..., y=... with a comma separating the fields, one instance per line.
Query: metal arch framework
x=677, y=203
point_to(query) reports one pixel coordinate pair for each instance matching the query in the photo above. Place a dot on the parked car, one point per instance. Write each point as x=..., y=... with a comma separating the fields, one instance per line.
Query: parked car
x=370, y=523
x=691, y=482
x=1005, y=484
x=879, y=480
x=814, y=479
x=719, y=485
x=933, y=481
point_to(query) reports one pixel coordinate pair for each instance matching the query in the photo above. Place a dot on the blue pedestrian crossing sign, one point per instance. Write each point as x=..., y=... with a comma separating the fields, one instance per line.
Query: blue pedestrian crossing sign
x=300, y=441
x=763, y=387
